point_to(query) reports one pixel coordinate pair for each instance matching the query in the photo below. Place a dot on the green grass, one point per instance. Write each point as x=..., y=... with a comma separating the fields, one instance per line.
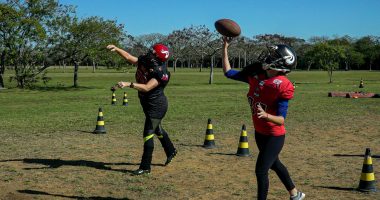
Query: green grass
x=52, y=122
x=57, y=107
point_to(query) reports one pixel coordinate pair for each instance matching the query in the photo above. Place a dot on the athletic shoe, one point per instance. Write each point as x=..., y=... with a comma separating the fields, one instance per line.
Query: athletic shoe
x=141, y=172
x=170, y=158
x=299, y=196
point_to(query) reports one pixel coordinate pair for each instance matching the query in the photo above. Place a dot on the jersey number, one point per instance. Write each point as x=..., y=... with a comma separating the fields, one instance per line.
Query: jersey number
x=254, y=105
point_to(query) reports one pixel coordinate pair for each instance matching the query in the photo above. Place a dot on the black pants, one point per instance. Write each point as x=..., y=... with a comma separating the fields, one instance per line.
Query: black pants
x=153, y=127
x=269, y=149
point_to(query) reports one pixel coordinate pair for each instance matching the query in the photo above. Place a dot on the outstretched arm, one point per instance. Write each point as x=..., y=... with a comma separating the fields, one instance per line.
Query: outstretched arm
x=131, y=59
x=228, y=72
x=226, y=62
x=151, y=84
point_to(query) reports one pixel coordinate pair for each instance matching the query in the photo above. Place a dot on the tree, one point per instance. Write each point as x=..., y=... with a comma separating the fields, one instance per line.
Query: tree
x=327, y=56
x=199, y=44
x=278, y=39
x=345, y=44
x=178, y=43
x=8, y=24
x=25, y=29
x=370, y=48
x=88, y=37
x=305, y=56
x=216, y=46
x=148, y=40
x=202, y=44
x=353, y=58
x=141, y=44
x=246, y=49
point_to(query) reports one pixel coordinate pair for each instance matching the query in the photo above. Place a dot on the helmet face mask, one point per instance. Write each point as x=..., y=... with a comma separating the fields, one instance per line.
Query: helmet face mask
x=279, y=58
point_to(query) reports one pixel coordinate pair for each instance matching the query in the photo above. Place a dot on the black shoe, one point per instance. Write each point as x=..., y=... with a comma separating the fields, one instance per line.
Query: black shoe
x=170, y=158
x=141, y=172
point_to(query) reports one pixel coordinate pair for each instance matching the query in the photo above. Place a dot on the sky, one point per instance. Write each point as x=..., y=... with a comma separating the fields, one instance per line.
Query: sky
x=293, y=18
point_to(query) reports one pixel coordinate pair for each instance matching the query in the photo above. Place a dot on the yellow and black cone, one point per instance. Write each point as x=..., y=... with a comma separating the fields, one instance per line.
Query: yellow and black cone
x=125, y=99
x=243, y=149
x=367, y=179
x=361, y=85
x=113, y=99
x=209, y=142
x=100, y=123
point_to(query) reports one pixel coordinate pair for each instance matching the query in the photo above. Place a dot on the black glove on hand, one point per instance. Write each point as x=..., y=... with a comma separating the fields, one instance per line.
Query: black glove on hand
x=253, y=69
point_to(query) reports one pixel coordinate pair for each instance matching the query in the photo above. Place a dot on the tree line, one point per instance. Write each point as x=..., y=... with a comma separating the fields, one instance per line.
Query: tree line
x=38, y=34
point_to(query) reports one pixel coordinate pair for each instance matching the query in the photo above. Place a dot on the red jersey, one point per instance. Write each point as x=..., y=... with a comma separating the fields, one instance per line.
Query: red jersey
x=267, y=92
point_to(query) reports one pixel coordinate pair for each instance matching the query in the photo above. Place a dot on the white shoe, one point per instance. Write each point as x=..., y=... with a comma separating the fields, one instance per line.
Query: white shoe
x=299, y=196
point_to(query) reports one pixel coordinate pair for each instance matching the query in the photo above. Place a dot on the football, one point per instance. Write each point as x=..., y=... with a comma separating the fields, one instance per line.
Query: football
x=227, y=28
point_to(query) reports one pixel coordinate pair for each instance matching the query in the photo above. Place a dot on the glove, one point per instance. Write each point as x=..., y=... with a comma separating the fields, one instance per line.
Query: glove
x=253, y=69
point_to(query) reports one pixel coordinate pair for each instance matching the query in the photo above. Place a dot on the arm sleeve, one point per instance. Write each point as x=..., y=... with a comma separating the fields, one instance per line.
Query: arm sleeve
x=236, y=75
x=282, y=107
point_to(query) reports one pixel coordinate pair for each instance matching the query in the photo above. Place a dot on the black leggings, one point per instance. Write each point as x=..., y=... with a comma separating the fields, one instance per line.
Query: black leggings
x=153, y=127
x=269, y=149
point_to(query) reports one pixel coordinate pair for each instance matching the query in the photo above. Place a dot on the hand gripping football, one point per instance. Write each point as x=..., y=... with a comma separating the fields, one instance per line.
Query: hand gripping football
x=227, y=28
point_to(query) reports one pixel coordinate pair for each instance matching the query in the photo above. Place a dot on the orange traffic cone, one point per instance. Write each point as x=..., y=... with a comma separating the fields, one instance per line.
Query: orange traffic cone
x=209, y=142
x=100, y=123
x=243, y=149
x=367, y=179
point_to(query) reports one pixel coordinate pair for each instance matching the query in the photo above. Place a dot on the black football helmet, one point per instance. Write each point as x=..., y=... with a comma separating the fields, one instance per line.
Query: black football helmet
x=278, y=57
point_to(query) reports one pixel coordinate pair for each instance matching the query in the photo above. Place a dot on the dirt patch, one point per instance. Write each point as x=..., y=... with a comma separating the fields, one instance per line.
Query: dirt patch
x=80, y=166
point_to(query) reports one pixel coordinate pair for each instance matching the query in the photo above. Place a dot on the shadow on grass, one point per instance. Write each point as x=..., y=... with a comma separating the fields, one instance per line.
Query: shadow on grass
x=35, y=192
x=56, y=163
x=338, y=188
x=355, y=155
x=223, y=154
x=190, y=145
x=92, y=132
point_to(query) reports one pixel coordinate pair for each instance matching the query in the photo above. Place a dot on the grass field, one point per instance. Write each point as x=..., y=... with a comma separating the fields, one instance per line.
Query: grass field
x=48, y=152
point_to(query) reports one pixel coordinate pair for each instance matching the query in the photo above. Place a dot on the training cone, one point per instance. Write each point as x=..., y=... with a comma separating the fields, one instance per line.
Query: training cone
x=125, y=99
x=113, y=98
x=367, y=179
x=243, y=149
x=100, y=123
x=209, y=139
x=361, y=85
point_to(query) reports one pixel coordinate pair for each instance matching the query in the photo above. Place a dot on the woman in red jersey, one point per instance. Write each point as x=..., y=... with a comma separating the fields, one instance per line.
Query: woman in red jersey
x=268, y=96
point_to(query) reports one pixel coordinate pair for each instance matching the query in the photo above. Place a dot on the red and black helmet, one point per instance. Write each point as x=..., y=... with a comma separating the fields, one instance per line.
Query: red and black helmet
x=161, y=52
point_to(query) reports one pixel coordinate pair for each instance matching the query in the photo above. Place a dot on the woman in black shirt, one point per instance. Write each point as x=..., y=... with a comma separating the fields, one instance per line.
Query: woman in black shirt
x=152, y=77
